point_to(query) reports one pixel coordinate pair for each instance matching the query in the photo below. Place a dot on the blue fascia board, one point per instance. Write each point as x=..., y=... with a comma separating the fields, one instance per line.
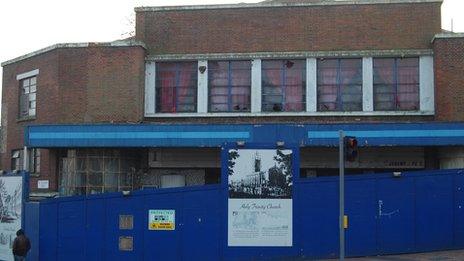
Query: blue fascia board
x=216, y=135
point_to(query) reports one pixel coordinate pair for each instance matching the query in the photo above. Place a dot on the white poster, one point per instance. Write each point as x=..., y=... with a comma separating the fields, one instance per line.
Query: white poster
x=260, y=197
x=10, y=213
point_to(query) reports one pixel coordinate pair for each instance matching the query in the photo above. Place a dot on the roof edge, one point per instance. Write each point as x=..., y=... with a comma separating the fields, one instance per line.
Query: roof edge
x=117, y=43
x=447, y=36
x=267, y=5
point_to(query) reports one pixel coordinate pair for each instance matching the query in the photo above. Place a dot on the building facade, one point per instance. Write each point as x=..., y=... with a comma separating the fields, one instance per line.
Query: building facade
x=374, y=65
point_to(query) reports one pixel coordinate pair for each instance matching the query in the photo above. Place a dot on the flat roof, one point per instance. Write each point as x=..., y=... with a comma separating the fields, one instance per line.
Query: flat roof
x=447, y=36
x=118, y=43
x=276, y=4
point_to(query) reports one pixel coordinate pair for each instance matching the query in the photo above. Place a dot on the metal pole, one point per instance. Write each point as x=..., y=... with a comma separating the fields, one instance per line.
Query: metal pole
x=342, y=193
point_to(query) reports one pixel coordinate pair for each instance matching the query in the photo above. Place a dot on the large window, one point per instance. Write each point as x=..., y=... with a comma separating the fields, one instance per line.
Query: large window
x=27, y=98
x=229, y=86
x=176, y=87
x=283, y=85
x=94, y=171
x=396, y=84
x=339, y=84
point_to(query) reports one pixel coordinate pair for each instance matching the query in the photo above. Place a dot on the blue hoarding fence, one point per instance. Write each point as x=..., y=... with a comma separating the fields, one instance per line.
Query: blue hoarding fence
x=419, y=211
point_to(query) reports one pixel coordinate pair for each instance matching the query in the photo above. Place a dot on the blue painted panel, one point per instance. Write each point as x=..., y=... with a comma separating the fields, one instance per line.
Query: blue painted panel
x=201, y=225
x=95, y=233
x=158, y=244
x=361, y=208
x=114, y=208
x=318, y=215
x=434, y=208
x=31, y=228
x=396, y=215
x=214, y=135
x=459, y=209
x=48, y=231
x=71, y=225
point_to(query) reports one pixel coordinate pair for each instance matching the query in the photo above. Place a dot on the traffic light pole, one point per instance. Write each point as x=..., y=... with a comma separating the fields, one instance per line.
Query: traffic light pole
x=341, y=148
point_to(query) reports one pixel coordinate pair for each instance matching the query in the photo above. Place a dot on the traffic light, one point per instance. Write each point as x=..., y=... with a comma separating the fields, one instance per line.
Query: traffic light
x=351, y=148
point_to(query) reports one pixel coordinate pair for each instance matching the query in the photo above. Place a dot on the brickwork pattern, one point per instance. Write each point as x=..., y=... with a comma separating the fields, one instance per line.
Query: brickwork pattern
x=285, y=29
x=74, y=85
x=449, y=79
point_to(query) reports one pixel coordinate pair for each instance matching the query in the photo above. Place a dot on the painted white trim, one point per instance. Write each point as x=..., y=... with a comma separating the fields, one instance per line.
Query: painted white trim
x=368, y=84
x=256, y=85
x=27, y=74
x=297, y=114
x=118, y=43
x=150, y=89
x=291, y=55
x=426, y=84
x=447, y=36
x=311, y=85
x=202, y=92
x=274, y=5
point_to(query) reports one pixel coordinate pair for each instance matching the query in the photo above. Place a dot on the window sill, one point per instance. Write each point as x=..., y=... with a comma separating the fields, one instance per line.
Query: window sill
x=295, y=114
x=26, y=118
x=34, y=175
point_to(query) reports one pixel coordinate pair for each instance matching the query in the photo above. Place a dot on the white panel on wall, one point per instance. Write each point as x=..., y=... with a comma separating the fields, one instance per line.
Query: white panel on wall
x=256, y=85
x=426, y=84
x=368, y=84
x=202, y=97
x=311, y=84
x=150, y=81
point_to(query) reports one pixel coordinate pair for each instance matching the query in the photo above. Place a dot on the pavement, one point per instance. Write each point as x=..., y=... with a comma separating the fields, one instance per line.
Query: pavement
x=452, y=255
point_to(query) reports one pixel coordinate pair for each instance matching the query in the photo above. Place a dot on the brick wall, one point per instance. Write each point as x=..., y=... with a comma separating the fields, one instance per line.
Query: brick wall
x=449, y=79
x=74, y=85
x=279, y=29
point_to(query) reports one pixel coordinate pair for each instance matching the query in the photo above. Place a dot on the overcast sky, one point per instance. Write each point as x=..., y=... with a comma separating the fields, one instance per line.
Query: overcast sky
x=29, y=25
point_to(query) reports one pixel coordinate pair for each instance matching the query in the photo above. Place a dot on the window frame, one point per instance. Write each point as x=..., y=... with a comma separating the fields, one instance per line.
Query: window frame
x=25, y=97
x=339, y=84
x=17, y=159
x=229, y=86
x=395, y=85
x=177, y=71
x=286, y=64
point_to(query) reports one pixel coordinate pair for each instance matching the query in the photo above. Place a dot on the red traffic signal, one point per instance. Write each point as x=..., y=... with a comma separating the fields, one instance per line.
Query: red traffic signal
x=351, y=148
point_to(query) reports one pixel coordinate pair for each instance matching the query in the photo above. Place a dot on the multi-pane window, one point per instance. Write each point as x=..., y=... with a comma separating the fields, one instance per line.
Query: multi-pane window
x=229, y=86
x=34, y=161
x=27, y=98
x=396, y=84
x=339, y=84
x=176, y=87
x=283, y=85
x=93, y=171
x=33, y=157
x=16, y=160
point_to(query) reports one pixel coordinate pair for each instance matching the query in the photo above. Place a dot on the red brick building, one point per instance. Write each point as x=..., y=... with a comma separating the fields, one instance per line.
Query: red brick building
x=275, y=62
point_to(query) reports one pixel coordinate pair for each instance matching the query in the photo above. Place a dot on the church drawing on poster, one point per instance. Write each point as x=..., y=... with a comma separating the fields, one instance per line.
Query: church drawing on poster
x=260, y=173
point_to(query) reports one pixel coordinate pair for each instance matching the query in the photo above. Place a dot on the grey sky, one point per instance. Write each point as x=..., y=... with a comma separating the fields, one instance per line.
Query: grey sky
x=29, y=25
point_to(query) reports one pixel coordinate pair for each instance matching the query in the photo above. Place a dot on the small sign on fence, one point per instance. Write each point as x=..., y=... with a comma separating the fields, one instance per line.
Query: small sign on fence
x=161, y=219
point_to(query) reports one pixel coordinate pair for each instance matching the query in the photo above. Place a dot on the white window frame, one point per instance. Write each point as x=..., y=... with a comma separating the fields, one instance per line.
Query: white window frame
x=426, y=90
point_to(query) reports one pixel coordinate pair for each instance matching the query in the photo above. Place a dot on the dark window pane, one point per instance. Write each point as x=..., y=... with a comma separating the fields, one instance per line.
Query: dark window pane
x=396, y=84
x=283, y=85
x=339, y=84
x=176, y=87
x=228, y=80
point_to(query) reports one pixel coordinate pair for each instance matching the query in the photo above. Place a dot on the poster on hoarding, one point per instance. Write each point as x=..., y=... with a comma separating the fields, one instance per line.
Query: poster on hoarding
x=161, y=219
x=10, y=213
x=260, y=197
